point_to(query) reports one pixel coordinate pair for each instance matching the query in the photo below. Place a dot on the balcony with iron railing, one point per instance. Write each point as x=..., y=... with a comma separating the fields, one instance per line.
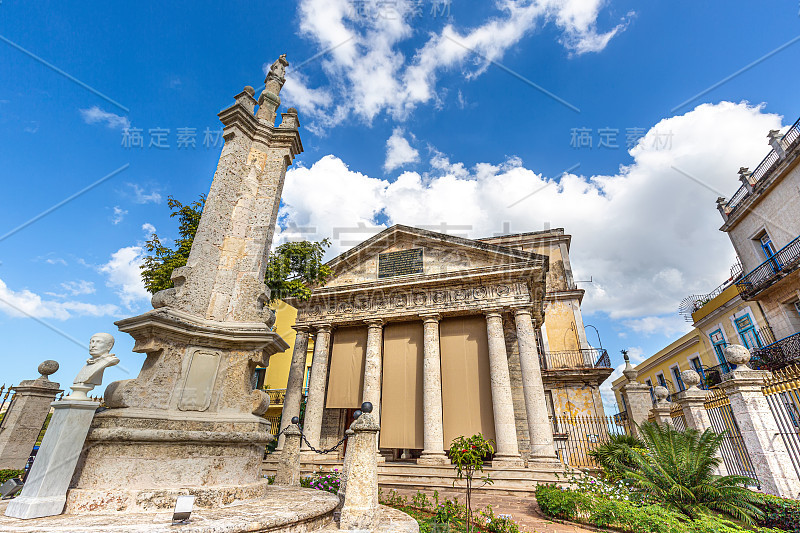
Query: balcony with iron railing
x=762, y=171
x=778, y=354
x=584, y=358
x=277, y=396
x=784, y=262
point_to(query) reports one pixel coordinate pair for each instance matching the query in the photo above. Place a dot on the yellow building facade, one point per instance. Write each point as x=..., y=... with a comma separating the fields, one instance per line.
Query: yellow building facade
x=719, y=319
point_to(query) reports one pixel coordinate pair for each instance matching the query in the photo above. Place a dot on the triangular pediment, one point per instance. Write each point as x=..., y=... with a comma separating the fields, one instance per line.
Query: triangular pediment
x=403, y=252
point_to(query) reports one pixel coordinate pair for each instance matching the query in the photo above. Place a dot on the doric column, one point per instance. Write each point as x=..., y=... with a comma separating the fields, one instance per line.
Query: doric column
x=505, y=427
x=757, y=425
x=312, y=425
x=372, y=366
x=433, y=430
x=539, y=428
x=294, y=385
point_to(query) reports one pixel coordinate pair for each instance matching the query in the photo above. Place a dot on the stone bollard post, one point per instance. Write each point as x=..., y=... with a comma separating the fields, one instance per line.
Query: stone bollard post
x=360, y=499
x=637, y=397
x=662, y=408
x=757, y=425
x=692, y=401
x=289, y=463
x=26, y=416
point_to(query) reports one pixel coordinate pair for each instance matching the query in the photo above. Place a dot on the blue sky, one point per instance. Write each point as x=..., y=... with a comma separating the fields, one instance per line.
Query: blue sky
x=419, y=113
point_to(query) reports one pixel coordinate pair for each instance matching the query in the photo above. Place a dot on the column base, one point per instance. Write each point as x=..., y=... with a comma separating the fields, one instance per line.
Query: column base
x=508, y=461
x=550, y=463
x=26, y=507
x=433, y=459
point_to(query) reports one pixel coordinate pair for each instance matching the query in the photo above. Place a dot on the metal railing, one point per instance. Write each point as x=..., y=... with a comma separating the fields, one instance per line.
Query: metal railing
x=779, y=354
x=782, y=391
x=278, y=396
x=6, y=402
x=733, y=450
x=576, y=436
x=785, y=260
x=764, y=168
x=584, y=358
x=678, y=418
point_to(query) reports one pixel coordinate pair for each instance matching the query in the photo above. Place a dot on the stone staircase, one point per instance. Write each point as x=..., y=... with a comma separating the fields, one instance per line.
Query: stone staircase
x=408, y=475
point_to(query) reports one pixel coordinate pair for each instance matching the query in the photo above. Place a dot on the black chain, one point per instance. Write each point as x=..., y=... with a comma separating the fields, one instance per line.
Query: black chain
x=322, y=452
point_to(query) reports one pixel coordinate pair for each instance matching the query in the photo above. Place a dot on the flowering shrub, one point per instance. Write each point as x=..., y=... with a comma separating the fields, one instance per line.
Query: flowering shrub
x=501, y=523
x=613, y=490
x=327, y=481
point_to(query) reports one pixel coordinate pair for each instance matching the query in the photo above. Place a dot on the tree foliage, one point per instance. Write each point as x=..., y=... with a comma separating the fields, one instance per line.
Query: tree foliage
x=677, y=470
x=158, y=266
x=292, y=269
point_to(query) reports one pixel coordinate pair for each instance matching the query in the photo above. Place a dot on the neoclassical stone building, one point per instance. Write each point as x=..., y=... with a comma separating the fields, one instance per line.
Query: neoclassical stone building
x=448, y=336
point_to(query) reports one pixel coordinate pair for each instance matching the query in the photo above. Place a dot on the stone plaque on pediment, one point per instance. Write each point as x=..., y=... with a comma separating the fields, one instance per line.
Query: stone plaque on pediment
x=400, y=263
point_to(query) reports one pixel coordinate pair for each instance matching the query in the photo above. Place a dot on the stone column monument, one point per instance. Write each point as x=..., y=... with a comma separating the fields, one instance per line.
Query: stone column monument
x=637, y=397
x=662, y=408
x=22, y=424
x=191, y=420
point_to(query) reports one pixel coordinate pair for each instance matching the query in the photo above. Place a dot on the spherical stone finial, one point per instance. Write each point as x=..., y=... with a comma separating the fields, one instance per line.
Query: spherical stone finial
x=48, y=367
x=690, y=378
x=366, y=407
x=292, y=110
x=661, y=393
x=295, y=420
x=736, y=354
x=356, y=414
x=249, y=90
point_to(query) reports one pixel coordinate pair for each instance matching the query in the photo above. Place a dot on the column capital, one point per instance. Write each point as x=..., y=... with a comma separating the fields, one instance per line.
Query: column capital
x=430, y=317
x=524, y=310
x=375, y=322
x=493, y=312
x=323, y=327
x=301, y=327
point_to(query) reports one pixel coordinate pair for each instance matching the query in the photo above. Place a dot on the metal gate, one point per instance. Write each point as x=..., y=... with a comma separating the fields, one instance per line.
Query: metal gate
x=678, y=419
x=576, y=436
x=782, y=391
x=733, y=450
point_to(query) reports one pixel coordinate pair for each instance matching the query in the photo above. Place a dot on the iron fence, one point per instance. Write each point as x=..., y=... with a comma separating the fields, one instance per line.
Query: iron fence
x=678, y=418
x=274, y=423
x=576, y=436
x=7, y=402
x=785, y=260
x=733, y=450
x=782, y=391
x=584, y=358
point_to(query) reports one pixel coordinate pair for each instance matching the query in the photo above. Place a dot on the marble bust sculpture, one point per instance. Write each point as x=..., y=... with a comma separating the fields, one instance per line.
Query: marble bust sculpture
x=91, y=375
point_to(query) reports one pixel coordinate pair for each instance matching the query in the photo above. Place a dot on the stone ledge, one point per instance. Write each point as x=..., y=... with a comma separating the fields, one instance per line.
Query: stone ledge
x=281, y=510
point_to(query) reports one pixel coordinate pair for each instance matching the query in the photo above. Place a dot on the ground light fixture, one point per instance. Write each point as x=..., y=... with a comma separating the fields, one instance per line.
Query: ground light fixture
x=183, y=510
x=10, y=488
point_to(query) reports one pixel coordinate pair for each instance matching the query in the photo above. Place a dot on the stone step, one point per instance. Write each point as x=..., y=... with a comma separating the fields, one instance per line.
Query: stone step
x=407, y=475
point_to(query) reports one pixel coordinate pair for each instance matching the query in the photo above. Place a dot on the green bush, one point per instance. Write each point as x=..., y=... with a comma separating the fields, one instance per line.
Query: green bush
x=557, y=502
x=780, y=513
x=5, y=475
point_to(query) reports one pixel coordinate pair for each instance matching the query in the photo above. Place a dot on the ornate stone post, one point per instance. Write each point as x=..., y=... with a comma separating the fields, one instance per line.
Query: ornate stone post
x=539, y=427
x=757, y=425
x=433, y=431
x=637, y=398
x=315, y=405
x=23, y=422
x=661, y=410
x=294, y=385
x=360, y=498
x=505, y=427
x=289, y=464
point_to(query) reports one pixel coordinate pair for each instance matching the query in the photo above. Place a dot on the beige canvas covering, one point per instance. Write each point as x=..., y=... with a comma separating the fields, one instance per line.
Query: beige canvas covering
x=401, y=404
x=345, y=383
x=466, y=386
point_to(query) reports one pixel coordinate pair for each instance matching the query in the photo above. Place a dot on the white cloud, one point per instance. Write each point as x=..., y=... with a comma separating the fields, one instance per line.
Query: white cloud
x=119, y=215
x=647, y=235
x=142, y=197
x=55, y=261
x=95, y=115
x=125, y=276
x=667, y=325
x=74, y=288
x=25, y=303
x=399, y=152
x=148, y=229
x=369, y=72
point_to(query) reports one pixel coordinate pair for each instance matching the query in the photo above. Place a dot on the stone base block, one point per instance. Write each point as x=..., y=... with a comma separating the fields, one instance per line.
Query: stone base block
x=121, y=500
x=545, y=463
x=432, y=459
x=389, y=521
x=26, y=507
x=280, y=510
x=507, y=462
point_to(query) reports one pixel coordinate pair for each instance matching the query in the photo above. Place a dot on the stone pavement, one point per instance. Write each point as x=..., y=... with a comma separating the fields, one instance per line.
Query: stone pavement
x=522, y=509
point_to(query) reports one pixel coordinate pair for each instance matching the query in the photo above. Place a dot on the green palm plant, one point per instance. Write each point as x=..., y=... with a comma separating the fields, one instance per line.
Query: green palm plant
x=615, y=457
x=677, y=470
